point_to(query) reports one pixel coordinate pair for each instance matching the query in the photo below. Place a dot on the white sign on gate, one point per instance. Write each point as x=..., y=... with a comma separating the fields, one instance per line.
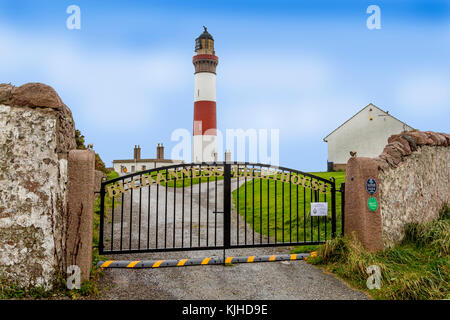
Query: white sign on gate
x=319, y=209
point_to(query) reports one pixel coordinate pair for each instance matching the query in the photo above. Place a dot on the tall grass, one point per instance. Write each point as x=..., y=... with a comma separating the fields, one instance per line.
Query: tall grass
x=435, y=235
x=418, y=268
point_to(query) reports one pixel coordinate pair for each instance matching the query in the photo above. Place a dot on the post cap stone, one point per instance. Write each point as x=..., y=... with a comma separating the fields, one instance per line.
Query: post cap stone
x=411, y=142
x=5, y=93
x=420, y=138
x=30, y=95
x=403, y=144
x=438, y=139
x=404, y=151
x=39, y=95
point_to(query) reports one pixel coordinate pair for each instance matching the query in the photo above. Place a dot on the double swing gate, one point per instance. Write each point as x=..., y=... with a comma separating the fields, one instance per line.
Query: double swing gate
x=216, y=206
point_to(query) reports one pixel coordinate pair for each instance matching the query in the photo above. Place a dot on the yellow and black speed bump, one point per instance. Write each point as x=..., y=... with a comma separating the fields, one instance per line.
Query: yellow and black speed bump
x=200, y=261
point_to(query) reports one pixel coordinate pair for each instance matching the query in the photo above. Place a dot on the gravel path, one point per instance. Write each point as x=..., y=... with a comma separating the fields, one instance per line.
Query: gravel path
x=274, y=280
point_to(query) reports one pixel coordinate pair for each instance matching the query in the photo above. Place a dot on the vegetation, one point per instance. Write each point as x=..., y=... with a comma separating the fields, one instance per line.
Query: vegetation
x=88, y=289
x=179, y=183
x=188, y=181
x=296, y=223
x=418, y=268
x=108, y=204
x=80, y=140
x=111, y=175
x=306, y=248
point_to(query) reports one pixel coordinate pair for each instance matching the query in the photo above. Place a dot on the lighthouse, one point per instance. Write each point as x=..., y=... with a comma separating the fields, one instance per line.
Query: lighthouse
x=204, y=148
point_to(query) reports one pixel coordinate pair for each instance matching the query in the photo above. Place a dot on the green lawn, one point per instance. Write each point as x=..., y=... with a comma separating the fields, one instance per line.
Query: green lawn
x=186, y=182
x=108, y=204
x=189, y=181
x=295, y=223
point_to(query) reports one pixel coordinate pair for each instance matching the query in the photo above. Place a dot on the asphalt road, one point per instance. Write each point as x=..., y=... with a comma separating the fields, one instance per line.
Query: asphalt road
x=285, y=280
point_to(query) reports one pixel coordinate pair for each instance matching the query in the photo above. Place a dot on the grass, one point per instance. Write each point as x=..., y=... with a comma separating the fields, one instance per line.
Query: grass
x=296, y=222
x=108, y=204
x=306, y=248
x=179, y=183
x=188, y=181
x=88, y=288
x=416, y=269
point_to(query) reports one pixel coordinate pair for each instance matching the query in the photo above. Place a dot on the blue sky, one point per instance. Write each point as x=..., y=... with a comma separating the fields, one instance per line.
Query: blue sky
x=303, y=67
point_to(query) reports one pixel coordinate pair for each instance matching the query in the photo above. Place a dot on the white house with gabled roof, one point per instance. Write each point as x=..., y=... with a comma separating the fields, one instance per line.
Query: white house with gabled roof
x=364, y=135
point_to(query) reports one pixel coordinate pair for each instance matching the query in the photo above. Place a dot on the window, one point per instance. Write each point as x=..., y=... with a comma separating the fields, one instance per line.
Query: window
x=144, y=168
x=198, y=44
x=133, y=168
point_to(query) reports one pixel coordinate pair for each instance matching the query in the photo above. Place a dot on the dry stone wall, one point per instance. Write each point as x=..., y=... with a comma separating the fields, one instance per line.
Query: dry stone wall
x=414, y=181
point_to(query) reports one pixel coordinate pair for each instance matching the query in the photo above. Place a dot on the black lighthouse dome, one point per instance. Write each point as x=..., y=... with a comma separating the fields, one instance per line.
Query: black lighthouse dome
x=205, y=34
x=205, y=42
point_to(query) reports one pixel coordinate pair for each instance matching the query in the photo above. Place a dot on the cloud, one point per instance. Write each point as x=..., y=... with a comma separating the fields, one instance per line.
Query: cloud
x=426, y=93
x=275, y=73
x=103, y=85
x=299, y=118
x=297, y=94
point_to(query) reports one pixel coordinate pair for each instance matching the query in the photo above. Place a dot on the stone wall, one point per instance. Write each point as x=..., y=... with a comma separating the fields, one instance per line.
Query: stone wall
x=414, y=181
x=413, y=175
x=98, y=180
x=36, y=134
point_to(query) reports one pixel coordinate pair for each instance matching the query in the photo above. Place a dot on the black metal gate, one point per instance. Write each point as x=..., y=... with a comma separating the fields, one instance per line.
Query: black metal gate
x=216, y=206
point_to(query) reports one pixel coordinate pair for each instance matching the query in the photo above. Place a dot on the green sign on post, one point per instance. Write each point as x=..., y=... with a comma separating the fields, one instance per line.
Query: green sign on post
x=372, y=203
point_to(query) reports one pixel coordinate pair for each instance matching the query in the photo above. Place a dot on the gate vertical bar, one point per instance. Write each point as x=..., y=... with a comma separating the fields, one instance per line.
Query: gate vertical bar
x=333, y=209
x=131, y=216
x=102, y=216
x=342, y=207
x=226, y=205
x=112, y=223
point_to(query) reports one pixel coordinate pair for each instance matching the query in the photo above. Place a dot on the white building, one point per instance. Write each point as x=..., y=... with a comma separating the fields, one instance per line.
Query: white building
x=123, y=167
x=366, y=134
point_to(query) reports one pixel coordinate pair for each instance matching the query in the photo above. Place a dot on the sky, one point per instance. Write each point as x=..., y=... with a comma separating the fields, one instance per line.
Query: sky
x=302, y=67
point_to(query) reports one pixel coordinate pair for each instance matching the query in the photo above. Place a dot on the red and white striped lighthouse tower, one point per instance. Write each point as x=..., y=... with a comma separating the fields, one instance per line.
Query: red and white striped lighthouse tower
x=204, y=147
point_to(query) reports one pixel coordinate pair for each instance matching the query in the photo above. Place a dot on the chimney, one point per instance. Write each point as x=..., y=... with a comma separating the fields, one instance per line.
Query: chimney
x=137, y=152
x=228, y=156
x=160, y=152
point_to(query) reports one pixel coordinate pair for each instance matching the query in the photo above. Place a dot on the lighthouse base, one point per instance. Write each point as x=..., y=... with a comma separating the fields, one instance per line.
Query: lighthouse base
x=204, y=148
